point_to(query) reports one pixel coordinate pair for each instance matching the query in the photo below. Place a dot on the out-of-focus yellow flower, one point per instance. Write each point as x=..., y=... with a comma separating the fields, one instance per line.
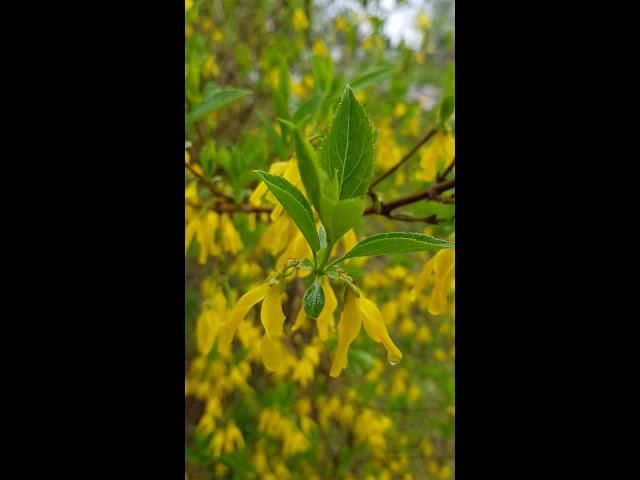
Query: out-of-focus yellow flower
x=441, y=148
x=300, y=21
x=203, y=226
x=421, y=57
x=399, y=110
x=217, y=36
x=367, y=43
x=298, y=89
x=210, y=67
x=188, y=4
x=229, y=236
x=341, y=24
x=424, y=21
x=320, y=49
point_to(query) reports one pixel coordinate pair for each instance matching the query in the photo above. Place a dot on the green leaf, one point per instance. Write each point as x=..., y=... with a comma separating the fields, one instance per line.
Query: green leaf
x=347, y=151
x=296, y=205
x=309, y=165
x=308, y=108
x=446, y=109
x=215, y=101
x=306, y=264
x=313, y=299
x=372, y=77
x=322, y=234
x=340, y=216
x=396, y=242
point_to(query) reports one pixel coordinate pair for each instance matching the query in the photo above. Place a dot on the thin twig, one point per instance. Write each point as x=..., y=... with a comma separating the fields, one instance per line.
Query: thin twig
x=443, y=175
x=407, y=156
x=203, y=181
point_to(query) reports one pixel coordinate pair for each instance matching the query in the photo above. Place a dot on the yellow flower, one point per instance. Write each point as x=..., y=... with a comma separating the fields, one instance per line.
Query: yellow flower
x=272, y=319
x=188, y=4
x=375, y=328
x=399, y=110
x=246, y=303
x=210, y=67
x=229, y=236
x=298, y=89
x=444, y=269
x=341, y=24
x=300, y=21
x=217, y=36
x=348, y=328
x=424, y=21
x=203, y=227
x=319, y=49
x=440, y=149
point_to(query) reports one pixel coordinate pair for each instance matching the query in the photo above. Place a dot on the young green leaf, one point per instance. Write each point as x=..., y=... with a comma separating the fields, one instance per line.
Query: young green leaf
x=296, y=205
x=313, y=299
x=347, y=151
x=372, y=77
x=216, y=101
x=308, y=108
x=396, y=242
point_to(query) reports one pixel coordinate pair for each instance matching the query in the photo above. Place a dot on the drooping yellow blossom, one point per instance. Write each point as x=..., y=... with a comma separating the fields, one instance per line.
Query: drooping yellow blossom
x=229, y=236
x=303, y=371
x=272, y=319
x=300, y=21
x=227, y=440
x=348, y=328
x=440, y=149
x=375, y=328
x=203, y=226
x=246, y=303
x=444, y=269
x=443, y=266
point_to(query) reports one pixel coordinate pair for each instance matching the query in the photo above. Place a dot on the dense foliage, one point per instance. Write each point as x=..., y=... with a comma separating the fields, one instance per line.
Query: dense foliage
x=312, y=136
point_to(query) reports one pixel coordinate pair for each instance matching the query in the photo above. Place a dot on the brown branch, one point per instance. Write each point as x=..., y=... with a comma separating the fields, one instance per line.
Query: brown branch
x=203, y=181
x=430, y=193
x=407, y=156
x=232, y=208
x=446, y=171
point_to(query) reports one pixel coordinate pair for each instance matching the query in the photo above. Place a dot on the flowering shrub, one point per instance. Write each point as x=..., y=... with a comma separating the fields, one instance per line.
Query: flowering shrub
x=319, y=245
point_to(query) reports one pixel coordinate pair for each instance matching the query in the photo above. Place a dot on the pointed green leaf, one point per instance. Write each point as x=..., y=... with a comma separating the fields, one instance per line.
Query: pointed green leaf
x=313, y=299
x=372, y=77
x=295, y=204
x=216, y=101
x=347, y=151
x=308, y=108
x=396, y=242
x=309, y=166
